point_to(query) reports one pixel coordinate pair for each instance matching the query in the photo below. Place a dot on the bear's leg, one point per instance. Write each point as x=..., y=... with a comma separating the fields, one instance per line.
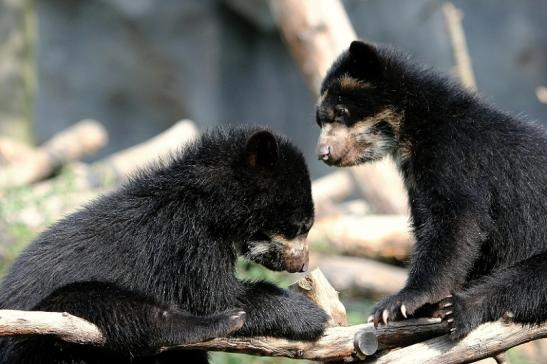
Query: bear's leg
x=134, y=325
x=518, y=291
x=274, y=311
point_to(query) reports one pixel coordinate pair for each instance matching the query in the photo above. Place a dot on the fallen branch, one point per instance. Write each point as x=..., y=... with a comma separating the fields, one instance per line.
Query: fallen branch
x=374, y=236
x=381, y=185
x=13, y=151
x=453, y=17
x=364, y=277
x=81, y=139
x=83, y=182
x=118, y=166
x=330, y=189
x=316, y=32
x=487, y=340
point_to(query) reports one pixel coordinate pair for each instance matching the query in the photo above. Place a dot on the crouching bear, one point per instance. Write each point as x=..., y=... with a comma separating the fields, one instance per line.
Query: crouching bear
x=476, y=180
x=152, y=264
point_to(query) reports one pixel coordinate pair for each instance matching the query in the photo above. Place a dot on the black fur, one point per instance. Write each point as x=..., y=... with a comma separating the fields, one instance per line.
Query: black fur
x=152, y=263
x=476, y=180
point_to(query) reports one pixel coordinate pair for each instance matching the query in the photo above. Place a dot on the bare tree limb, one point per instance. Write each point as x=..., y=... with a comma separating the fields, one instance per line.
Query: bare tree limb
x=487, y=340
x=381, y=185
x=367, y=277
x=118, y=166
x=453, y=17
x=330, y=189
x=345, y=344
x=337, y=343
x=67, y=327
x=13, y=151
x=83, y=138
x=373, y=236
x=316, y=32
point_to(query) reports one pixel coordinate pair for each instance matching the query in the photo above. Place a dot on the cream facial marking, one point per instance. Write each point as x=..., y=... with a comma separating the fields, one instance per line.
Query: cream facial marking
x=349, y=83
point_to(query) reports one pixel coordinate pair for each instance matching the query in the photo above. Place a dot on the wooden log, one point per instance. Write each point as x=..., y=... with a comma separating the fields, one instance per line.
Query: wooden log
x=115, y=168
x=381, y=185
x=330, y=189
x=335, y=186
x=118, y=166
x=360, y=276
x=337, y=343
x=374, y=236
x=346, y=344
x=84, y=137
x=83, y=182
x=316, y=32
x=453, y=17
x=487, y=340
x=12, y=151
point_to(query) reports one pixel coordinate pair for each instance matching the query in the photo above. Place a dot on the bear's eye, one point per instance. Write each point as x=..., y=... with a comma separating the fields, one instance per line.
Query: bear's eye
x=341, y=111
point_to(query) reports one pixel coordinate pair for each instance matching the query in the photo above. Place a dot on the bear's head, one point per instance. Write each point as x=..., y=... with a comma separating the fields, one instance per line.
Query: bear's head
x=282, y=206
x=359, y=110
x=252, y=190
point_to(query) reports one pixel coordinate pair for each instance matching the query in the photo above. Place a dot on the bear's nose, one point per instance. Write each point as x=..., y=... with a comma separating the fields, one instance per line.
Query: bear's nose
x=324, y=151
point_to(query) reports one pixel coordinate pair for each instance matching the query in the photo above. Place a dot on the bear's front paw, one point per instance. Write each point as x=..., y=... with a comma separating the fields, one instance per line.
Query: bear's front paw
x=459, y=317
x=313, y=325
x=398, y=306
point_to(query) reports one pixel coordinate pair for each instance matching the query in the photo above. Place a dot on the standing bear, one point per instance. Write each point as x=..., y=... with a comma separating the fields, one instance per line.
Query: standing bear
x=476, y=179
x=152, y=263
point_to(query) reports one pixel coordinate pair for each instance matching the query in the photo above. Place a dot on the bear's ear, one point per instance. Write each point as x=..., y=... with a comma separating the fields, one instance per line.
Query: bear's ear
x=367, y=57
x=262, y=151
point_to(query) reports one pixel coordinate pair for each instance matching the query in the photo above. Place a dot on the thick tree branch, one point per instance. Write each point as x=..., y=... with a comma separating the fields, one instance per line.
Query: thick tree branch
x=68, y=327
x=345, y=344
x=487, y=340
x=338, y=343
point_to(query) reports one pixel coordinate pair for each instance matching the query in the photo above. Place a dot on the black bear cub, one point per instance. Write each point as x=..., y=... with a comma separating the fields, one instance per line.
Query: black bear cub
x=152, y=264
x=476, y=180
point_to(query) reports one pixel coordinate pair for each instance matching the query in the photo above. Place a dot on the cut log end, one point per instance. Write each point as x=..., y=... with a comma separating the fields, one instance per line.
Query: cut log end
x=365, y=343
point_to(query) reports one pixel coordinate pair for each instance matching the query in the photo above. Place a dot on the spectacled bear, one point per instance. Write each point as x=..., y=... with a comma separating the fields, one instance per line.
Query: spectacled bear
x=476, y=179
x=152, y=264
